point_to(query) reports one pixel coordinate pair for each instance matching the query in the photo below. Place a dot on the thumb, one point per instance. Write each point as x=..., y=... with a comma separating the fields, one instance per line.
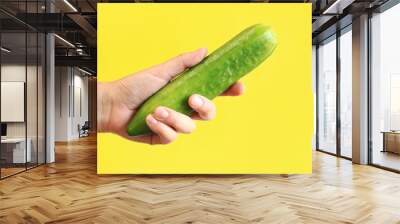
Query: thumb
x=135, y=89
x=174, y=66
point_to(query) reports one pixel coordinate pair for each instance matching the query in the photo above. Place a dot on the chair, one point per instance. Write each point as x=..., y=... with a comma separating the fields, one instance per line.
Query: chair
x=84, y=130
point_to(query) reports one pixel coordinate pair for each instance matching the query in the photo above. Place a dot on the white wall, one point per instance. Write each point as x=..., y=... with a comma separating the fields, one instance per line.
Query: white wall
x=16, y=73
x=81, y=84
x=10, y=73
x=33, y=127
x=70, y=84
x=62, y=81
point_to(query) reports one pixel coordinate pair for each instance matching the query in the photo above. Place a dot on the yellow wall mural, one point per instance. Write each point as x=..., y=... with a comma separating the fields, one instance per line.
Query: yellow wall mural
x=266, y=130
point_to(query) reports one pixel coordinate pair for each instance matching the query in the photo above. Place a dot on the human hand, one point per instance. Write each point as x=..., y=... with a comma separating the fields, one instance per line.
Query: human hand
x=118, y=101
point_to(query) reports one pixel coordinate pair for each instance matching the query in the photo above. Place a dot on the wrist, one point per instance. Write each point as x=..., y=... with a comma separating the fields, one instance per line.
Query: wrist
x=104, y=106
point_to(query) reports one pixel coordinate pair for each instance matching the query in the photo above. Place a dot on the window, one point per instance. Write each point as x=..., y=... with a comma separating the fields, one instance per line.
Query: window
x=346, y=93
x=385, y=89
x=394, y=102
x=22, y=77
x=314, y=78
x=327, y=95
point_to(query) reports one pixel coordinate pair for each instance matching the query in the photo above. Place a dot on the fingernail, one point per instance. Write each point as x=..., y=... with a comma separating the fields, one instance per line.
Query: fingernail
x=150, y=119
x=161, y=113
x=201, y=53
x=197, y=101
x=203, y=50
x=242, y=89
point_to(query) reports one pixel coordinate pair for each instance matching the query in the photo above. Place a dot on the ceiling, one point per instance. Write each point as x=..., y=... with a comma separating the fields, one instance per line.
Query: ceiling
x=332, y=15
x=76, y=22
x=72, y=20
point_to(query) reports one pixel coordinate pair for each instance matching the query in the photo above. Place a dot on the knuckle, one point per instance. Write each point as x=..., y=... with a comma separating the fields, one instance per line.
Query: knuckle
x=153, y=140
x=207, y=117
x=209, y=114
x=169, y=138
x=192, y=127
x=187, y=129
x=165, y=142
x=173, y=137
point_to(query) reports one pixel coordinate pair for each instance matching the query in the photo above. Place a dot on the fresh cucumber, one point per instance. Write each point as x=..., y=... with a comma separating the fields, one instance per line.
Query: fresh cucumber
x=212, y=76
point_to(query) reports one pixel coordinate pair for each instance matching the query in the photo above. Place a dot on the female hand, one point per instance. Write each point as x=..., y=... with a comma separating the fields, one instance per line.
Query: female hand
x=118, y=101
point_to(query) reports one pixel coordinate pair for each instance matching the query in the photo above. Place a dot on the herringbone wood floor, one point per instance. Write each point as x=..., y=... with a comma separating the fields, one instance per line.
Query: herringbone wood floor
x=69, y=191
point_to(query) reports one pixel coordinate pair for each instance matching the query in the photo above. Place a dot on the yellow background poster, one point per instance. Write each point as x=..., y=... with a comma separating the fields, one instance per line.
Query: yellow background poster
x=267, y=130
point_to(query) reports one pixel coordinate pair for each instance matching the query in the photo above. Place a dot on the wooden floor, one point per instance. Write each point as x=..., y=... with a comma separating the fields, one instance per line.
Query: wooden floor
x=69, y=191
x=5, y=172
x=387, y=159
x=8, y=171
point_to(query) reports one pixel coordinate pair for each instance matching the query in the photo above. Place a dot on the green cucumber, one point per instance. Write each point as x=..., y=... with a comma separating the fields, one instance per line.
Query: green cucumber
x=211, y=77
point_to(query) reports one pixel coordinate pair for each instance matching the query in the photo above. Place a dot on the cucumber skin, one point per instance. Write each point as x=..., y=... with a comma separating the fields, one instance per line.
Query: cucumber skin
x=211, y=77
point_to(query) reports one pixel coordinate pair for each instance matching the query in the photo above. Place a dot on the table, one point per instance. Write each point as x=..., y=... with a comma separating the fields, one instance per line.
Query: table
x=391, y=141
x=18, y=149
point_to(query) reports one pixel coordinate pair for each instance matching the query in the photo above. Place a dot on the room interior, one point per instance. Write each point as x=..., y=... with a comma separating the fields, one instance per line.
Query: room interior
x=22, y=102
x=48, y=128
x=333, y=58
x=25, y=68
